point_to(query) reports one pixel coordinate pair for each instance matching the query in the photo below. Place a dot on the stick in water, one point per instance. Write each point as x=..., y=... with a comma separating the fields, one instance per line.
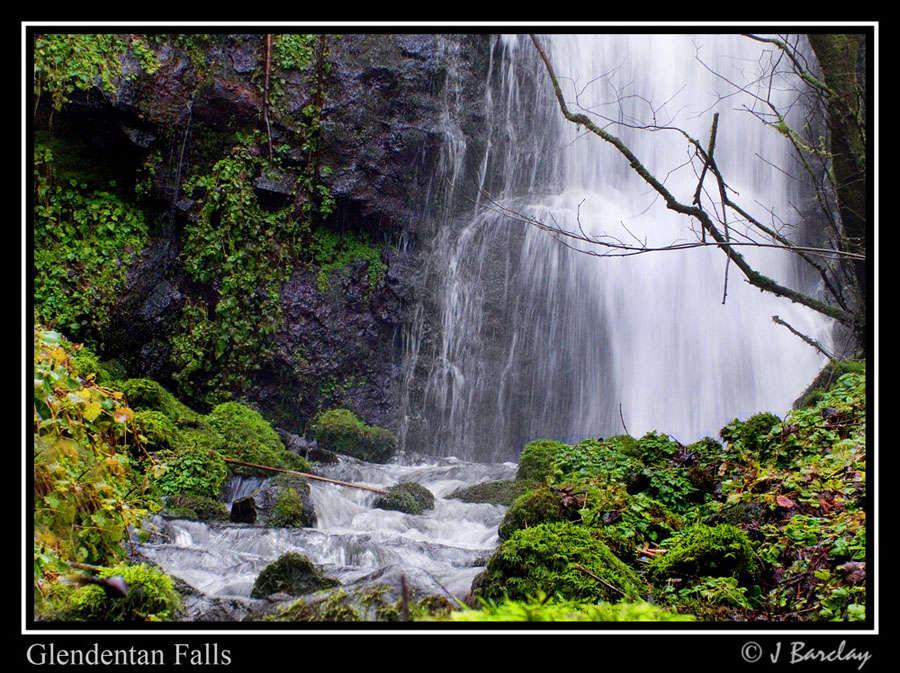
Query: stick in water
x=303, y=474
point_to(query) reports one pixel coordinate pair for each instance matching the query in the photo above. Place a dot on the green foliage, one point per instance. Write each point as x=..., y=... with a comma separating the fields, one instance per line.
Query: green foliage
x=749, y=440
x=340, y=431
x=543, y=559
x=536, y=459
x=190, y=470
x=84, y=241
x=292, y=573
x=408, y=497
x=87, y=490
x=66, y=63
x=334, y=251
x=540, y=609
x=719, y=551
x=151, y=598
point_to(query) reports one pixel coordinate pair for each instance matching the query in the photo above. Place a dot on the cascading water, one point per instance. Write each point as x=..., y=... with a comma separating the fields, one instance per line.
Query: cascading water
x=530, y=339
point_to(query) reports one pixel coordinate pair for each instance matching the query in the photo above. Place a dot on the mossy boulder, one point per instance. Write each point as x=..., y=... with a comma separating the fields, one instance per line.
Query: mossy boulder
x=557, y=558
x=491, y=492
x=146, y=394
x=292, y=573
x=408, y=497
x=151, y=597
x=708, y=551
x=340, y=431
x=292, y=506
x=536, y=459
x=241, y=433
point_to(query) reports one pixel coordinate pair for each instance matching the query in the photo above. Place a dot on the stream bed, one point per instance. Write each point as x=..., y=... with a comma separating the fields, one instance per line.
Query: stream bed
x=438, y=552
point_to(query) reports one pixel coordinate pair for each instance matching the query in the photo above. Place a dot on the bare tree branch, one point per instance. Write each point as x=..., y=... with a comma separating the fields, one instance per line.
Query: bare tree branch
x=694, y=210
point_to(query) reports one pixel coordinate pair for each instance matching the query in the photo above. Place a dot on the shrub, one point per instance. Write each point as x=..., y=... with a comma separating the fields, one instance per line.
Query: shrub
x=339, y=430
x=191, y=470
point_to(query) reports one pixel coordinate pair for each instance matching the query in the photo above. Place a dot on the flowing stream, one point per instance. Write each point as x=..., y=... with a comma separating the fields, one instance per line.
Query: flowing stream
x=437, y=552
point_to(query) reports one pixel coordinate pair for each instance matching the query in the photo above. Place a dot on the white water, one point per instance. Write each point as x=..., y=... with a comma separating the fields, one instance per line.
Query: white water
x=438, y=552
x=532, y=340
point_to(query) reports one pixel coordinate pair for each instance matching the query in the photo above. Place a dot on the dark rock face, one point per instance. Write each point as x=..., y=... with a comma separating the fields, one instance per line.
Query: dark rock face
x=380, y=136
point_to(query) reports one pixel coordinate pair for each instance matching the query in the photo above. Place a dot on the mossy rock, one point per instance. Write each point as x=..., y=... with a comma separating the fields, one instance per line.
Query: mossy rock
x=408, y=497
x=714, y=551
x=340, y=431
x=536, y=459
x=243, y=434
x=151, y=597
x=544, y=559
x=292, y=573
x=146, y=394
x=291, y=510
x=542, y=504
x=491, y=492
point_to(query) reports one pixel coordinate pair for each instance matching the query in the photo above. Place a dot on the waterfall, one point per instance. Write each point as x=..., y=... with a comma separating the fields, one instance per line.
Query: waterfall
x=519, y=337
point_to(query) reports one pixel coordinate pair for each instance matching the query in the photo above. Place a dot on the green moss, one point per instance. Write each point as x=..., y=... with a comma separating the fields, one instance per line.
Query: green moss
x=408, y=497
x=244, y=435
x=151, y=597
x=292, y=573
x=339, y=430
x=491, y=492
x=699, y=551
x=146, y=394
x=542, y=504
x=543, y=559
x=536, y=459
x=289, y=511
x=156, y=431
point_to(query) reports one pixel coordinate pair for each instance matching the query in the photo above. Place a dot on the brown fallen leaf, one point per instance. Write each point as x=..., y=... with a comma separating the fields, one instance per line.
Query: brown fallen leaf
x=784, y=501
